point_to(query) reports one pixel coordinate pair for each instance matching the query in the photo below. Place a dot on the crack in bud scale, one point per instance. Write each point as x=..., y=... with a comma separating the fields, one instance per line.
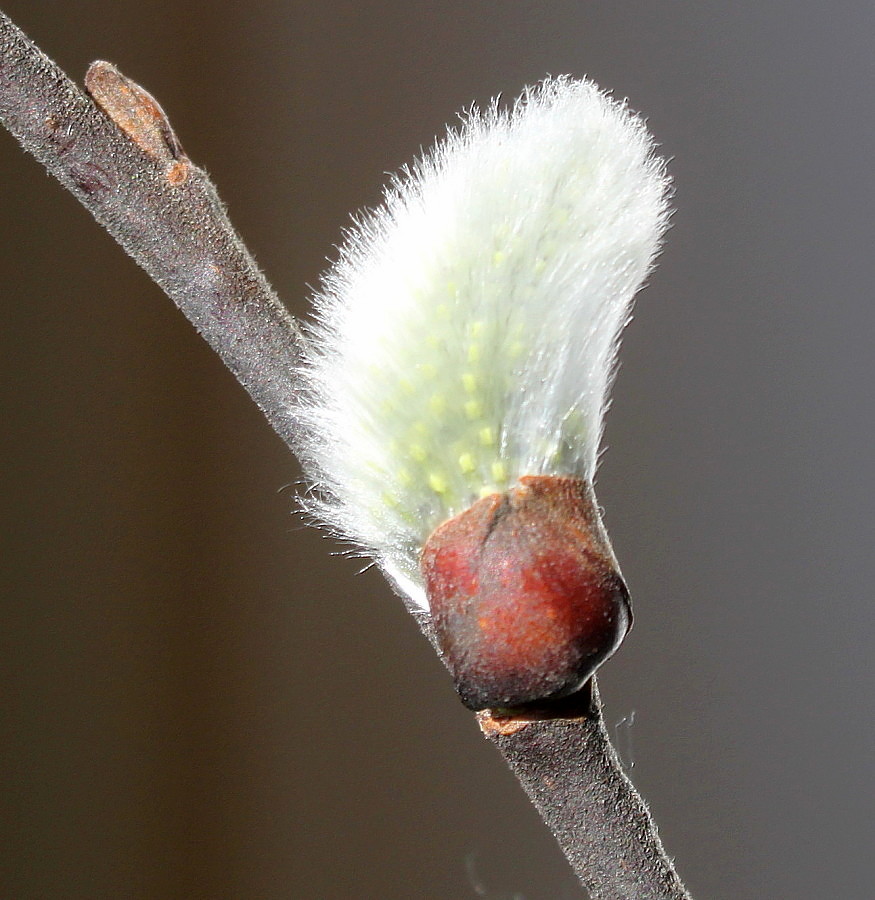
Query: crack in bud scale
x=526, y=596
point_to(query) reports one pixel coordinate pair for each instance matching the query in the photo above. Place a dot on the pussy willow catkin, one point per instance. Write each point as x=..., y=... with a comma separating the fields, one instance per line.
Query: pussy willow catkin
x=459, y=368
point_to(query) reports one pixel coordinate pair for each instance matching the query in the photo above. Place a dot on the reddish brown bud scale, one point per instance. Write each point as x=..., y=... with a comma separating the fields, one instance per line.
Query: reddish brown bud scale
x=526, y=598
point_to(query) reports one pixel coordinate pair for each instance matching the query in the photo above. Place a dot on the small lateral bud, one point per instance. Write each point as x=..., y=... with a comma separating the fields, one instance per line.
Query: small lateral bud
x=526, y=597
x=138, y=114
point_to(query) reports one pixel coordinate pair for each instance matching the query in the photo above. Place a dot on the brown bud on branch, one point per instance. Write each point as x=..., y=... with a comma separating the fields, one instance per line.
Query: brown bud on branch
x=525, y=593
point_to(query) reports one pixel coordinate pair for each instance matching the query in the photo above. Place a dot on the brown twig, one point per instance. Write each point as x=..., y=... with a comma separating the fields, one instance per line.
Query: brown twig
x=566, y=764
x=119, y=156
x=131, y=175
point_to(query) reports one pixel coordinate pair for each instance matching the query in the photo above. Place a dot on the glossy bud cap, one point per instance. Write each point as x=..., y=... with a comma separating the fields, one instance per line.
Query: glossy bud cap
x=525, y=594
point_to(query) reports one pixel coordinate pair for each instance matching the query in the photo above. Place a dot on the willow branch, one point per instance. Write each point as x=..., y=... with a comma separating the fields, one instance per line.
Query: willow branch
x=116, y=152
x=566, y=764
x=162, y=210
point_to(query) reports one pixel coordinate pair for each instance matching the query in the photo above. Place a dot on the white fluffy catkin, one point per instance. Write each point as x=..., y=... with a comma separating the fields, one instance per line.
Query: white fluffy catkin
x=467, y=334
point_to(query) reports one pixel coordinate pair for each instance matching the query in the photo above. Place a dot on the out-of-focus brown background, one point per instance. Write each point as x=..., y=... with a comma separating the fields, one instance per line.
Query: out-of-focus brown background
x=199, y=701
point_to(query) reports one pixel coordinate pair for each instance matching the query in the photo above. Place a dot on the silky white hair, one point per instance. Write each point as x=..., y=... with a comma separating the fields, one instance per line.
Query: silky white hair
x=467, y=334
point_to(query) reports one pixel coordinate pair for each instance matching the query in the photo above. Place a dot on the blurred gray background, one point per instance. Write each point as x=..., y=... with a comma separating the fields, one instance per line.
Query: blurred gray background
x=199, y=701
